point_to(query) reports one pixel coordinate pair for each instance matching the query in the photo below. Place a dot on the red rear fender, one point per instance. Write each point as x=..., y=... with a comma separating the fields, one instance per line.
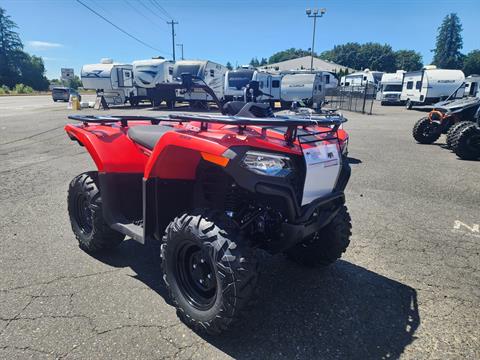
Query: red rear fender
x=109, y=147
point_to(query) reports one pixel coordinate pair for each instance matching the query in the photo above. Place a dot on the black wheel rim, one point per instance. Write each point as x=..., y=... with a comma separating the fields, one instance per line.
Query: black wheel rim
x=83, y=214
x=428, y=130
x=196, y=276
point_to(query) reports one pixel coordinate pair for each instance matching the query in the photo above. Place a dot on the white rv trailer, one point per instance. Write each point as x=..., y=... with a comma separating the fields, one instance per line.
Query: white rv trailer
x=209, y=72
x=149, y=76
x=329, y=80
x=390, y=87
x=269, y=84
x=306, y=87
x=235, y=83
x=113, y=81
x=430, y=85
x=472, y=85
x=361, y=78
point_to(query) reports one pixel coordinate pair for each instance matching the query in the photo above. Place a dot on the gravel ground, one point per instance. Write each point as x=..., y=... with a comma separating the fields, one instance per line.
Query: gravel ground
x=408, y=286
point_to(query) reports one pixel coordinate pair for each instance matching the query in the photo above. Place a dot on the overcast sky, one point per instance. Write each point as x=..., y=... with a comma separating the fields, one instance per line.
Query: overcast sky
x=66, y=34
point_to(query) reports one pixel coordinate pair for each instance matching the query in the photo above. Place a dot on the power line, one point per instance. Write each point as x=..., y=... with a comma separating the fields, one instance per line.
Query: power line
x=161, y=8
x=119, y=28
x=143, y=15
x=150, y=11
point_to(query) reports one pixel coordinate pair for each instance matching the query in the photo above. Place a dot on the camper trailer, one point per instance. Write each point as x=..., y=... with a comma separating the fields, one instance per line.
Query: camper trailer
x=207, y=72
x=235, y=83
x=361, y=78
x=390, y=88
x=149, y=76
x=307, y=87
x=472, y=85
x=430, y=85
x=113, y=81
x=268, y=84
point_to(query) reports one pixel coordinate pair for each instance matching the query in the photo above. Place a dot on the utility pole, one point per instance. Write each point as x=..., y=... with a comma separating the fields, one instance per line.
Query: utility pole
x=181, y=45
x=314, y=14
x=173, y=23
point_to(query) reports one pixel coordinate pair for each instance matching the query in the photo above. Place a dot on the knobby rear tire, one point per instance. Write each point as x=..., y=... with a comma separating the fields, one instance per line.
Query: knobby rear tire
x=86, y=215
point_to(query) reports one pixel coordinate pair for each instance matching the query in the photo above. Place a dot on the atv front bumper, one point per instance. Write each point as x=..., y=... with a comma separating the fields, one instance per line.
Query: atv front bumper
x=304, y=221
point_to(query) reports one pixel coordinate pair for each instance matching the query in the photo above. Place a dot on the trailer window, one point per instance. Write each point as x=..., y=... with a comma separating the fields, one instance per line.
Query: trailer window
x=170, y=71
x=327, y=79
x=275, y=83
x=261, y=85
x=418, y=85
x=409, y=85
x=392, y=87
x=212, y=72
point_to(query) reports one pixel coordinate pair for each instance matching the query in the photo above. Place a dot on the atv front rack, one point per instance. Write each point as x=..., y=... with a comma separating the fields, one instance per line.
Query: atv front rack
x=292, y=123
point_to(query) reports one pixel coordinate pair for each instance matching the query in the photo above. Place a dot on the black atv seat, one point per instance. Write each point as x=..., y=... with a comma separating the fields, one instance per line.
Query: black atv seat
x=148, y=135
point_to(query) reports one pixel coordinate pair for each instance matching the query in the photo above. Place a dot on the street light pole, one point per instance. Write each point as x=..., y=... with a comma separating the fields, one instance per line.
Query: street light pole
x=314, y=14
x=181, y=46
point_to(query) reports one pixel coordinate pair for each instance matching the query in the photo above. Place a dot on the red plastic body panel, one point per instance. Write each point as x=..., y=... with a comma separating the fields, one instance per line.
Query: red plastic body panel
x=177, y=153
x=110, y=148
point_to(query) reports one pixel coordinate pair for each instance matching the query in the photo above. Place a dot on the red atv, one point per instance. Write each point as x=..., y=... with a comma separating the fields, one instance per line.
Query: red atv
x=213, y=190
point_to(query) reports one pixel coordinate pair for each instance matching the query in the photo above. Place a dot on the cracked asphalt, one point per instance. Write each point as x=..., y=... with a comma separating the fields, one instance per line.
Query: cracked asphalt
x=408, y=286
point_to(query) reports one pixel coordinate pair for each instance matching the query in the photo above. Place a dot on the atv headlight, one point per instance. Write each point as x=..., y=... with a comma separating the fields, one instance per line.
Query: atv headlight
x=267, y=164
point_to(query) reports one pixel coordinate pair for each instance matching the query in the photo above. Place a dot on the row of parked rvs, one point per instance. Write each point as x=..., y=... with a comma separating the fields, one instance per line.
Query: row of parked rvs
x=423, y=87
x=151, y=80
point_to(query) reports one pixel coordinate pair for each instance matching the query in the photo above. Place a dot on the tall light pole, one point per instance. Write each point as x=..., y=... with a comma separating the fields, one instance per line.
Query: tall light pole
x=181, y=46
x=314, y=14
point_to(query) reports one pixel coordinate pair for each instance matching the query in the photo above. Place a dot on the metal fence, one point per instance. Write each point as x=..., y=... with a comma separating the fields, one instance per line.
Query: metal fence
x=353, y=98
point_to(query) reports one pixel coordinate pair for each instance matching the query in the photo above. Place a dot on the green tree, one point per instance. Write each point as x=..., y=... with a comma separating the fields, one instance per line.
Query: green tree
x=346, y=55
x=229, y=66
x=254, y=62
x=288, y=54
x=471, y=64
x=75, y=82
x=32, y=71
x=10, y=44
x=449, y=42
x=375, y=56
x=264, y=61
x=408, y=60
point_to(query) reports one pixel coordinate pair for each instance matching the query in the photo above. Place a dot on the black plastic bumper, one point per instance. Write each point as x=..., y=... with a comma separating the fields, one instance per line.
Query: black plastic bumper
x=312, y=218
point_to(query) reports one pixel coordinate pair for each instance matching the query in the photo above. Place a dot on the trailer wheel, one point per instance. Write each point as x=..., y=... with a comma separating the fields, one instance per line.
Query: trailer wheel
x=211, y=276
x=466, y=143
x=425, y=132
x=86, y=215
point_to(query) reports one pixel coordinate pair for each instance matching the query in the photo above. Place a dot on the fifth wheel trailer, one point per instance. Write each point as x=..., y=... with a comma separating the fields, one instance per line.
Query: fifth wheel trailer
x=430, y=85
x=150, y=76
x=113, y=81
x=235, y=83
x=207, y=72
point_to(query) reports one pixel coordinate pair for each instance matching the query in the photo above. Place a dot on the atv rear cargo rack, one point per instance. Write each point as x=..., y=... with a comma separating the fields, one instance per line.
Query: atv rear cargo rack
x=292, y=123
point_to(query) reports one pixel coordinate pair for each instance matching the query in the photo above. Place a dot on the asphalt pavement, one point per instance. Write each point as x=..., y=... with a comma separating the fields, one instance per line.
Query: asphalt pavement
x=408, y=286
